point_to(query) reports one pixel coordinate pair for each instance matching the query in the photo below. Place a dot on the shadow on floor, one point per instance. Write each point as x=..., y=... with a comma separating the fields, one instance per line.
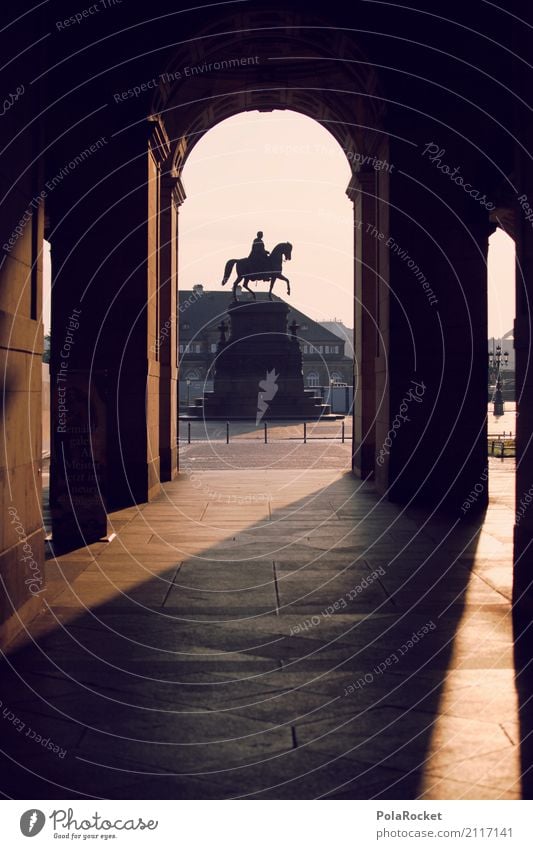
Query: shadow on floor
x=300, y=656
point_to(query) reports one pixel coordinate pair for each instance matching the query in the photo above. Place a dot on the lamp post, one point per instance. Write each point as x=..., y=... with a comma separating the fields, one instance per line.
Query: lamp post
x=188, y=382
x=496, y=356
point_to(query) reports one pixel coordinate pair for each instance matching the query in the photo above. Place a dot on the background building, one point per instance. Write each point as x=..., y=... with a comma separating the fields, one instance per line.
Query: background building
x=346, y=333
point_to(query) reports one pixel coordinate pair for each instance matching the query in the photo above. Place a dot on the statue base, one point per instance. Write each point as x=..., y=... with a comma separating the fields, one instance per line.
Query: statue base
x=258, y=370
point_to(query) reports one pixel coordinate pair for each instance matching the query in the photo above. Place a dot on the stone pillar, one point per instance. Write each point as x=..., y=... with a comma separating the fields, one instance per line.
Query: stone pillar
x=157, y=149
x=523, y=529
x=22, y=564
x=105, y=268
x=172, y=196
x=436, y=446
x=383, y=333
x=363, y=192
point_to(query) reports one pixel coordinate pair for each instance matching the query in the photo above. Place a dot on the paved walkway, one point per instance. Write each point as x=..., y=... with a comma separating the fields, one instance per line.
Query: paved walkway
x=323, y=454
x=272, y=633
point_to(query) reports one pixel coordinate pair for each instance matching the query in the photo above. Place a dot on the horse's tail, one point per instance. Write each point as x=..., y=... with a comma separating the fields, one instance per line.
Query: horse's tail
x=227, y=270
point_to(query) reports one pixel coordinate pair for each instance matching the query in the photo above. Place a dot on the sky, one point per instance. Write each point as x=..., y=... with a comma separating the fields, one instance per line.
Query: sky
x=501, y=284
x=283, y=173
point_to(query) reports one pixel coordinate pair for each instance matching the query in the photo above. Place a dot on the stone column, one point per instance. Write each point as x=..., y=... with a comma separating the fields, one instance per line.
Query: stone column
x=523, y=529
x=22, y=563
x=105, y=274
x=172, y=196
x=362, y=191
x=436, y=446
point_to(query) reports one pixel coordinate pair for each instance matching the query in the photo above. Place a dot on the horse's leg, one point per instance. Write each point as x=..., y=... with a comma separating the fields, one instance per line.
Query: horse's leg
x=245, y=286
x=272, y=281
x=235, y=284
x=282, y=277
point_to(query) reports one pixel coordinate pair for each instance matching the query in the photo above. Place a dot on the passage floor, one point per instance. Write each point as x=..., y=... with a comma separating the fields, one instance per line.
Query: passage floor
x=250, y=634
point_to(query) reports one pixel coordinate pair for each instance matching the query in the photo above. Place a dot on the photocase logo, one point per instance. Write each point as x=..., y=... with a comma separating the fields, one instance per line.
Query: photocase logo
x=32, y=822
x=267, y=390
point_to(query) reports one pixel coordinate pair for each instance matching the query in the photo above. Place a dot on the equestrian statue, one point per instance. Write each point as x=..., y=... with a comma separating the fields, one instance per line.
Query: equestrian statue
x=259, y=265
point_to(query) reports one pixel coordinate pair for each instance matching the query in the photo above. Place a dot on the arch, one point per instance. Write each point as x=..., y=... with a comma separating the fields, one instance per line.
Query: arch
x=286, y=64
x=296, y=61
x=278, y=55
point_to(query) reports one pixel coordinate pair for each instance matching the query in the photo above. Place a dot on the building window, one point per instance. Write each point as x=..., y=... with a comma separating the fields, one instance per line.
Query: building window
x=213, y=347
x=312, y=379
x=197, y=348
x=181, y=349
x=192, y=375
x=326, y=349
x=336, y=377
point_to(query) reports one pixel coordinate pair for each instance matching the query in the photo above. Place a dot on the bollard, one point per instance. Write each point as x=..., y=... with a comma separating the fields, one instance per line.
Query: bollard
x=189, y=432
x=342, y=436
x=266, y=436
x=227, y=433
x=305, y=433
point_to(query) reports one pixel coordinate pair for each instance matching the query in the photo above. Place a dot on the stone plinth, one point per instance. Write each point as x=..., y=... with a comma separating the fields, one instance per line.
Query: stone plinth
x=258, y=369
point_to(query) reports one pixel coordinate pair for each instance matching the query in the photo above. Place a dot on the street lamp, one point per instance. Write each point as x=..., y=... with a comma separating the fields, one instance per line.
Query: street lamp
x=495, y=363
x=188, y=382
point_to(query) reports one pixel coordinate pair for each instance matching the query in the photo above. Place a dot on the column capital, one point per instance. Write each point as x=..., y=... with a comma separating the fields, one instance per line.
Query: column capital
x=158, y=138
x=363, y=180
x=171, y=182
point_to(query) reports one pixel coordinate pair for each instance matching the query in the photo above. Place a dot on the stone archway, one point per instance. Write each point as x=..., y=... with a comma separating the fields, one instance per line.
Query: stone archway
x=112, y=223
x=345, y=99
x=414, y=236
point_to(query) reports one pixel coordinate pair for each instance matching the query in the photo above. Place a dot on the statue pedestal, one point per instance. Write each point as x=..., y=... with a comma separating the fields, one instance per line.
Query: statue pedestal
x=258, y=370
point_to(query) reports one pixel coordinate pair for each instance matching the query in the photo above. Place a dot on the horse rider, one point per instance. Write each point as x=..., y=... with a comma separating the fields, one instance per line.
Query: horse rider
x=258, y=255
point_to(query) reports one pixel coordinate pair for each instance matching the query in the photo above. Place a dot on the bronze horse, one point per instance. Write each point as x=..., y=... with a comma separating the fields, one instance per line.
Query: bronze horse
x=271, y=272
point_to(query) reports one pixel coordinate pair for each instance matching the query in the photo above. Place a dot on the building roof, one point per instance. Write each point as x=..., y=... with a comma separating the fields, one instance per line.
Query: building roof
x=340, y=330
x=203, y=308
